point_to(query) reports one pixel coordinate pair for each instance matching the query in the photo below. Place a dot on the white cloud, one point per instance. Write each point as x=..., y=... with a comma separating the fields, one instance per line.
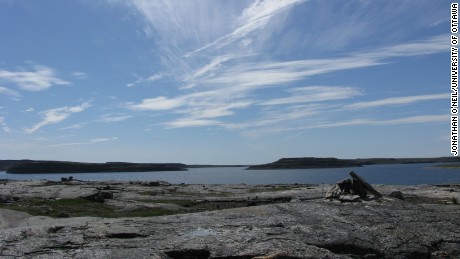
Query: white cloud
x=157, y=104
x=30, y=109
x=397, y=101
x=213, y=65
x=181, y=123
x=432, y=45
x=56, y=115
x=39, y=78
x=79, y=75
x=101, y=140
x=75, y=126
x=315, y=94
x=9, y=92
x=89, y=142
x=263, y=74
x=254, y=17
x=141, y=80
x=280, y=115
x=371, y=122
x=107, y=118
x=4, y=126
x=414, y=120
x=220, y=60
x=237, y=81
x=214, y=110
x=154, y=77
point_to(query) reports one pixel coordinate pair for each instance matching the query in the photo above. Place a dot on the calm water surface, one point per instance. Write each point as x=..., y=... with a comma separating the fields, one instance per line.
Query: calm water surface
x=376, y=174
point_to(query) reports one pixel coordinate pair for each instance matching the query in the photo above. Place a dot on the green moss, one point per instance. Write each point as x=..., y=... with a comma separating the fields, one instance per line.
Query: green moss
x=147, y=213
x=182, y=203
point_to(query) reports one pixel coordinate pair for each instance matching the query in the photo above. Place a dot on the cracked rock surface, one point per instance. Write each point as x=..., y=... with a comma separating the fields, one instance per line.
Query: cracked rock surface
x=303, y=226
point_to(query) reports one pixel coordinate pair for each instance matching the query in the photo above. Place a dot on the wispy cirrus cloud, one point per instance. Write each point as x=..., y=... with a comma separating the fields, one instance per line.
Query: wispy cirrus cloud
x=221, y=71
x=141, y=80
x=279, y=116
x=108, y=118
x=157, y=104
x=263, y=74
x=89, y=142
x=239, y=83
x=5, y=127
x=104, y=118
x=56, y=115
x=315, y=94
x=397, y=101
x=38, y=78
x=79, y=125
x=254, y=17
x=419, y=119
x=187, y=122
x=15, y=95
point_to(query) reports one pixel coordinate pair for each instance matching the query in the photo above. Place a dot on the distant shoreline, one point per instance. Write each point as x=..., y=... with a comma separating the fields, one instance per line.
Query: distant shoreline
x=50, y=167
x=43, y=167
x=449, y=166
x=314, y=162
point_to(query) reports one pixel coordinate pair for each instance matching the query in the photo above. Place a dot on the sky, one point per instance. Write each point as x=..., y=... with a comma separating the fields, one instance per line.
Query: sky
x=223, y=82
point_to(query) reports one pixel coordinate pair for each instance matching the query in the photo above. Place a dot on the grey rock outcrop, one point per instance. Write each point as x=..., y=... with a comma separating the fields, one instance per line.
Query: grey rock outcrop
x=292, y=222
x=315, y=229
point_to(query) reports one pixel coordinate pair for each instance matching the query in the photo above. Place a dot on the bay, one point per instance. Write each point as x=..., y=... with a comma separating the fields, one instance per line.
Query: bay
x=397, y=174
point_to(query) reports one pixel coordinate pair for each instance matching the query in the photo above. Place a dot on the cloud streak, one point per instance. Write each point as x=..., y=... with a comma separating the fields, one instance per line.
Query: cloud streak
x=151, y=78
x=90, y=142
x=419, y=119
x=39, y=78
x=56, y=115
x=109, y=118
x=15, y=95
x=5, y=127
x=397, y=101
x=315, y=94
x=235, y=83
x=254, y=17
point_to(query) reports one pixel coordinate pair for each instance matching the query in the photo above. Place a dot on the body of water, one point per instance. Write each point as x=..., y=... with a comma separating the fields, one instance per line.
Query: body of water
x=401, y=174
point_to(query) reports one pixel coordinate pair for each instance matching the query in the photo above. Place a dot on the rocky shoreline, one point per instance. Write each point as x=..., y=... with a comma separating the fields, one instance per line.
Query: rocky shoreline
x=113, y=219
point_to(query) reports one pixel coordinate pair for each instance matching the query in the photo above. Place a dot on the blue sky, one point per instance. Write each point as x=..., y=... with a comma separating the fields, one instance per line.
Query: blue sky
x=223, y=82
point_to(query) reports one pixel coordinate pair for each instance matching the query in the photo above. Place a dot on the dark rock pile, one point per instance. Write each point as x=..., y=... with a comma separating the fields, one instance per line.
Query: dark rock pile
x=352, y=190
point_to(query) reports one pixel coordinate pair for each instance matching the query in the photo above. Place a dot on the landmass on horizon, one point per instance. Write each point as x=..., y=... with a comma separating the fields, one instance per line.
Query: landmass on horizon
x=42, y=166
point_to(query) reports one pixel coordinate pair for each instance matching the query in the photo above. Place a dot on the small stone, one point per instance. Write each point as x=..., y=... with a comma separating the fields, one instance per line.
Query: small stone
x=397, y=195
x=349, y=198
x=63, y=215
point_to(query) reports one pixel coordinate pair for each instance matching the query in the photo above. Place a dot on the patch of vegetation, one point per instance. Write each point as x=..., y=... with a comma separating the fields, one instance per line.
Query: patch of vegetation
x=182, y=203
x=78, y=208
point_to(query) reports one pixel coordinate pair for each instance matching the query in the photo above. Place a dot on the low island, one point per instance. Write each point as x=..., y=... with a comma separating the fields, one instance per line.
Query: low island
x=49, y=167
x=331, y=162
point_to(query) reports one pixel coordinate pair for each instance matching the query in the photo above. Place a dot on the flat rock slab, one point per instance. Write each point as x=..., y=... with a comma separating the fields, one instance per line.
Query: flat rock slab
x=11, y=218
x=388, y=228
